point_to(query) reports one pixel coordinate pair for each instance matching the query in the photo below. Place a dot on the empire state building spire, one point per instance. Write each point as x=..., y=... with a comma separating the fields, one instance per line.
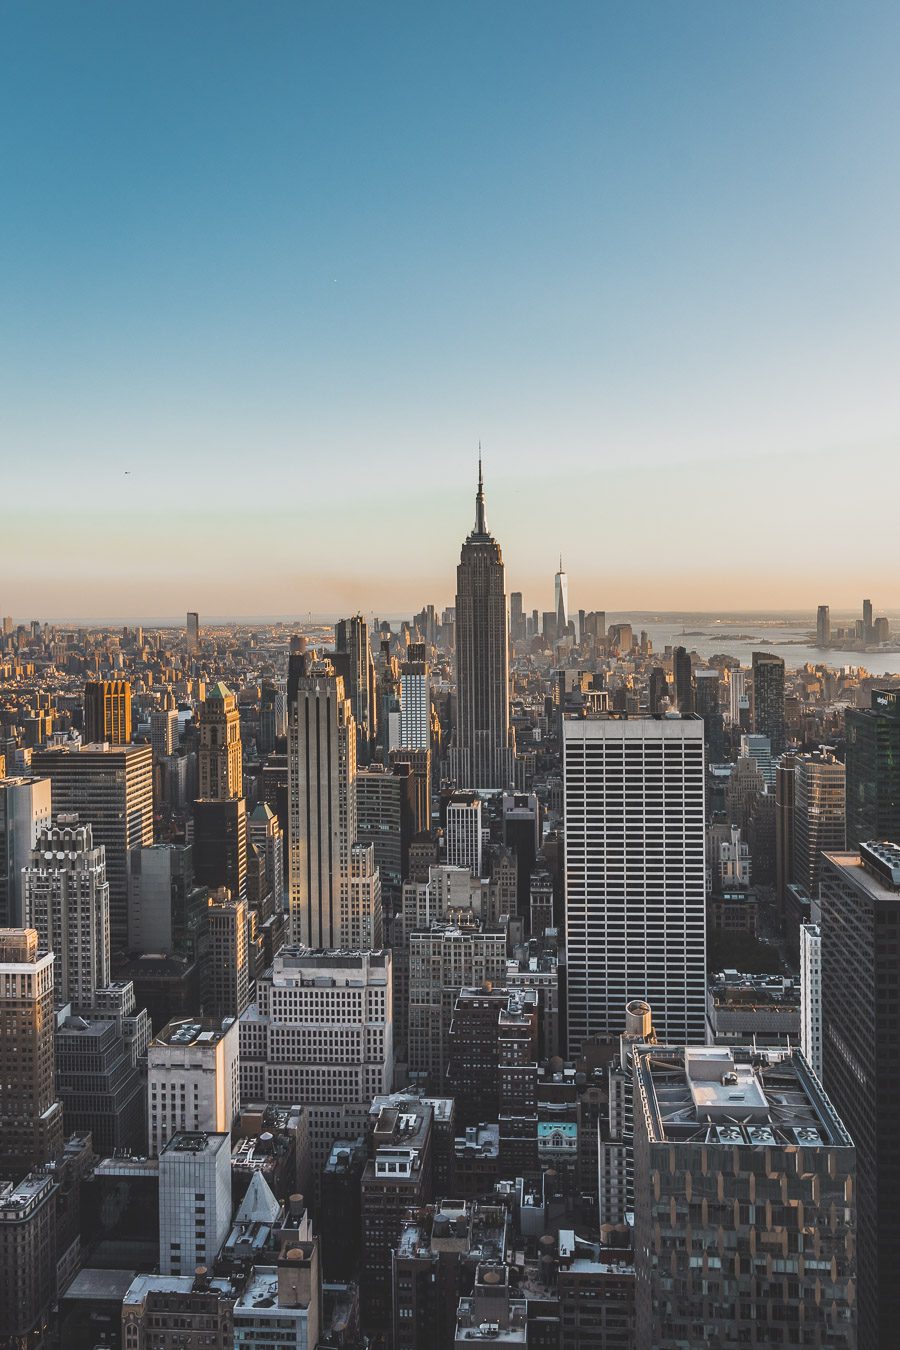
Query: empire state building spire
x=480, y=522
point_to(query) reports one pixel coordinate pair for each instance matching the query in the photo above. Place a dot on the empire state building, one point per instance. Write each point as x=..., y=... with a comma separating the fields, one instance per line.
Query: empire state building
x=481, y=755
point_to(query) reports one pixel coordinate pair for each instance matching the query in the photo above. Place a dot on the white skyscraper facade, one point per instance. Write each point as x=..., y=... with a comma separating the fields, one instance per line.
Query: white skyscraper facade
x=415, y=706
x=67, y=902
x=811, y=994
x=635, y=874
x=464, y=832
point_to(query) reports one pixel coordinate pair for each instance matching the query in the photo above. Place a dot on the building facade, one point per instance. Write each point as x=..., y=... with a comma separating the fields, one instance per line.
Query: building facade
x=67, y=903
x=481, y=754
x=635, y=874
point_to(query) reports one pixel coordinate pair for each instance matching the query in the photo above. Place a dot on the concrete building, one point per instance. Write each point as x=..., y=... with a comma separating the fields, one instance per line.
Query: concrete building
x=732, y=1147
x=67, y=903
x=463, y=832
x=107, y=712
x=386, y=818
x=811, y=994
x=397, y=1178
x=31, y=1124
x=321, y=1033
x=100, y=1085
x=280, y=1307
x=635, y=873
x=220, y=756
x=322, y=816
x=415, y=700
x=24, y=811
x=194, y=1201
x=164, y=735
x=265, y=832
x=481, y=755
x=28, y=1257
x=229, y=978
x=442, y=960
x=193, y=1082
x=167, y=910
x=111, y=788
x=180, y=1312
x=860, y=931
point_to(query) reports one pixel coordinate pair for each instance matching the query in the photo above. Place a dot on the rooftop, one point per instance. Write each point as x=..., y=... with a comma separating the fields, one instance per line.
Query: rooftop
x=201, y=1031
x=729, y=1095
x=875, y=869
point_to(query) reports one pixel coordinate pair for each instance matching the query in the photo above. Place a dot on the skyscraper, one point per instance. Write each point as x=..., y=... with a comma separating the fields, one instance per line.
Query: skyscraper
x=725, y=1139
x=811, y=994
x=415, y=700
x=351, y=640
x=635, y=874
x=220, y=755
x=229, y=980
x=220, y=844
x=192, y=1079
x=682, y=674
x=31, y=1124
x=860, y=929
x=868, y=626
x=195, y=1204
x=561, y=598
x=321, y=801
x=706, y=701
x=107, y=711
x=516, y=617
x=24, y=811
x=192, y=633
x=819, y=824
x=110, y=788
x=823, y=626
x=481, y=756
x=67, y=903
x=873, y=769
x=768, y=699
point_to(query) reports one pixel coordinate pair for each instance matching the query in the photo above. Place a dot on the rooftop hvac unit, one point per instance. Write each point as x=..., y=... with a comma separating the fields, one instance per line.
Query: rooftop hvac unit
x=760, y=1134
x=729, y=1134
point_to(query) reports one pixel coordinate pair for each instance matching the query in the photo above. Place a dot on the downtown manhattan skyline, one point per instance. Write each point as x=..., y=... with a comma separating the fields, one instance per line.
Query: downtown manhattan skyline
x=272, y=276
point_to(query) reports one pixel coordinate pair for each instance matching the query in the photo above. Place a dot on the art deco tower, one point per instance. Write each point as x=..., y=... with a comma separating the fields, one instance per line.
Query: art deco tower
x=481, y=756
x=221, y=755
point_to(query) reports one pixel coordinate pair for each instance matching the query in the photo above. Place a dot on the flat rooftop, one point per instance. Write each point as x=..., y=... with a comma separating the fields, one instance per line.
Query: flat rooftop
x=201, y=1031
x=881, y=877
x=733, y=1095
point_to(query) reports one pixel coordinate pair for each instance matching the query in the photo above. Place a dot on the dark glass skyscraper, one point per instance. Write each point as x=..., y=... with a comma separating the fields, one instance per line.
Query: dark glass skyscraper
x=768, y=699
x=481, y=756
x=683, y=678
x=873, y=769
x=860, y=898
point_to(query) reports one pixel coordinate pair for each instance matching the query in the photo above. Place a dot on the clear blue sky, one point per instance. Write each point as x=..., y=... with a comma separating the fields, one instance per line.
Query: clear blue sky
x=287, y=263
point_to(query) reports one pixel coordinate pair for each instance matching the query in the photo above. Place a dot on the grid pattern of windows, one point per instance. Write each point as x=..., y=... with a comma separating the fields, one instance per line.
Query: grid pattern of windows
x=635, y=874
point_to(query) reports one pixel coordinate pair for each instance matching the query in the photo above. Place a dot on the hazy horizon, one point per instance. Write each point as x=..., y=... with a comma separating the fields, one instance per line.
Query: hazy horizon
x=271, y=273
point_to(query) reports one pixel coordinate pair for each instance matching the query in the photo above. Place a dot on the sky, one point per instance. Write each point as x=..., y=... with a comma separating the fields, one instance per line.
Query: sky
x=270, y=272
